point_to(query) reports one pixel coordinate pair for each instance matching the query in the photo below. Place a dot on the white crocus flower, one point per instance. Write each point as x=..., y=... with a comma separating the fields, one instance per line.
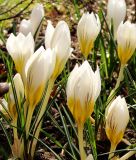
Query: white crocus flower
x=20, y=48
x=59, y=40
x=126, y=39
x=34, y=22
x=87, y=31
x=19, y=89
x=83, y=88
x=116, y=12
x=39, y=69
x=117, y=118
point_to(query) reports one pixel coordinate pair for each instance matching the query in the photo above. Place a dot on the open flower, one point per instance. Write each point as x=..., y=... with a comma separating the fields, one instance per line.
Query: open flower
x=19, y=90
x=39, y=69
x=117, y=118
x=20, y=48
x=87, y=31
x=83, y=88
x=116, y=12
x=59, y=40
x=126, y=39
x=33, y=23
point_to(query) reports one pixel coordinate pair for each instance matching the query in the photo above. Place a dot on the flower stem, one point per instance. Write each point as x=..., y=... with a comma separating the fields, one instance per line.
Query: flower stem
x=14, y=123
x=43, y=108
x=120, y=78
x=28, y=119
x=15, y=147
x=112, y=149
x=80, y=139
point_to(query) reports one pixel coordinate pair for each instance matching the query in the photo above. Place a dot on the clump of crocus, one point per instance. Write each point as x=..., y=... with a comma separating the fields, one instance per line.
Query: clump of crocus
x=126, y=40
x=116, y=12
x=87, y=31
x=83, y=88
x=117, y=118
x=33, y=24
x=59, y=39
x=20, y=48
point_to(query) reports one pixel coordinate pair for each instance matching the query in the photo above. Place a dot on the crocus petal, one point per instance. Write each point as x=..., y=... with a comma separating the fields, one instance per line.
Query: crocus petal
x=25, y=27
x=36, y=17
x=48, y=34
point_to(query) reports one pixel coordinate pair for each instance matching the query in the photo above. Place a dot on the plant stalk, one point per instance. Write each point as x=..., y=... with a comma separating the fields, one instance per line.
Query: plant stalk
x=43, y=108
x=120, y=78
x=80, y=140
x=112, y=149
x=29, y=119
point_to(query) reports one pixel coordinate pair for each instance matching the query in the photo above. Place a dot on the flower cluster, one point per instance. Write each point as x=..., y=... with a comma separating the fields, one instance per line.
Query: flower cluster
x=37, y=70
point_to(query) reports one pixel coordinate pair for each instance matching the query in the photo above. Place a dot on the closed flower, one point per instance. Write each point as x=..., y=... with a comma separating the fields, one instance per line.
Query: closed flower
x=117, y=118
x=126, y=39
x=38, y=70
x=59, y=40
x=83, y=88
x=87, y=31
x=20, y=49
x=34, y=22
x=116, y=12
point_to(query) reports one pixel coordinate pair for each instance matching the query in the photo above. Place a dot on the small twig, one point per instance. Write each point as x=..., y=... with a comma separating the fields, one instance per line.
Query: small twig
x=3, y=19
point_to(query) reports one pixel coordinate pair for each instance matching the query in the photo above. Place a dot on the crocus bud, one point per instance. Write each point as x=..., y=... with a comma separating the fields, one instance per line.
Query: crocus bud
x=126, y=39
x=36, y=17
x=60, y=41
x=33, y=24
x=117, y=118
x=20, y=48
x=38, y=70
x=87, y=31
x=116, y=12
x=25, y=27
x=19, y=89
x=83, y=88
